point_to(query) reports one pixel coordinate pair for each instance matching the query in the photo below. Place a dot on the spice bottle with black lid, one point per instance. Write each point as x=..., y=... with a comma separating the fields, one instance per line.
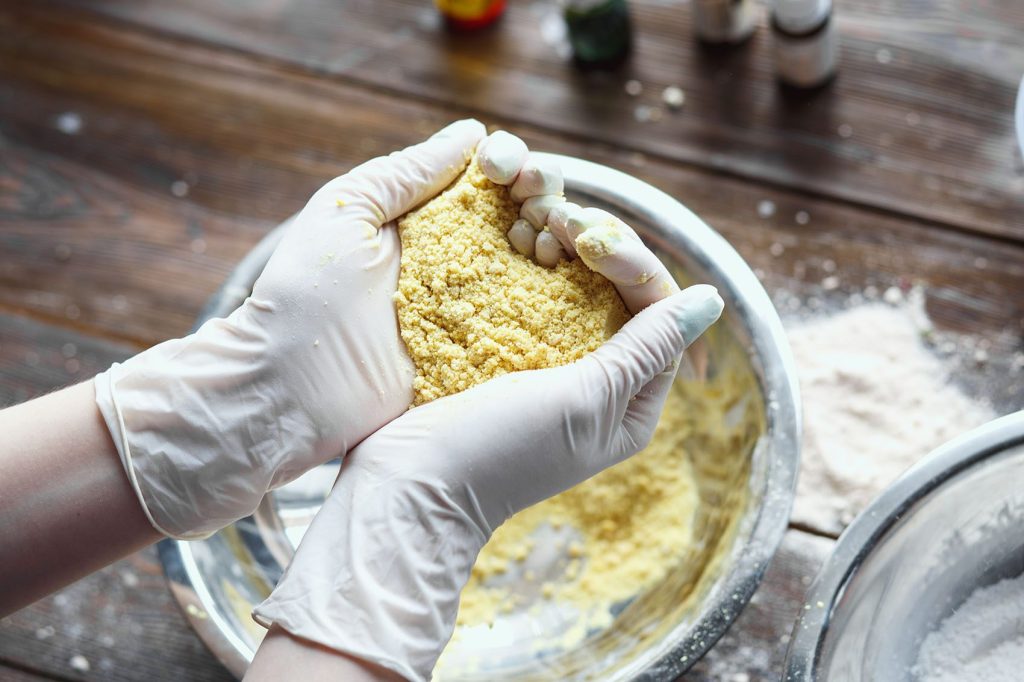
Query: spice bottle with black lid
x=805, y=42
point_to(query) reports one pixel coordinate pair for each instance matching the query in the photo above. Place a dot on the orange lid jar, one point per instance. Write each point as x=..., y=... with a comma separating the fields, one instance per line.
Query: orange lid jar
x=469, y=14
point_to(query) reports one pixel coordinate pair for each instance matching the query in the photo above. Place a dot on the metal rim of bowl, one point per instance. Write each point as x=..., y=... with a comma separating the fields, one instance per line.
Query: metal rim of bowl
x=871, y=525
x=773, y=361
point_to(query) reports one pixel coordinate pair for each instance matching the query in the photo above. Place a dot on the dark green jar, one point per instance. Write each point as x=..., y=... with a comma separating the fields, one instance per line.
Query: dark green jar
x=599, y=31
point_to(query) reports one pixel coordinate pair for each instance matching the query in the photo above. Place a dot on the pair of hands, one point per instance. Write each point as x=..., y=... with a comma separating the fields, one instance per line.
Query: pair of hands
x=312, y=364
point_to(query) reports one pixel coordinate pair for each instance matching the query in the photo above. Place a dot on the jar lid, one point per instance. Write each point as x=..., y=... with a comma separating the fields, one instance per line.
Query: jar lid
x=800, y=16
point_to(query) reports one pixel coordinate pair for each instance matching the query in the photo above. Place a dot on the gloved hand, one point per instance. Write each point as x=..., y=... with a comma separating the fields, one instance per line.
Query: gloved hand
x=379, y=572
x=306, y=368
x=550, y=228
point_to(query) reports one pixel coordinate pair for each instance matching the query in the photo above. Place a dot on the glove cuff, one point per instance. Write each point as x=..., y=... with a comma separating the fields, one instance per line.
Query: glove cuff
x=379, y=573
x=107, y=403
x=202, y=429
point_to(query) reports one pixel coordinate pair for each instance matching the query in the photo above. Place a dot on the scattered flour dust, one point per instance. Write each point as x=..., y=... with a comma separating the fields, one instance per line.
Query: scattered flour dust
x=875, y=400
x=982, y=642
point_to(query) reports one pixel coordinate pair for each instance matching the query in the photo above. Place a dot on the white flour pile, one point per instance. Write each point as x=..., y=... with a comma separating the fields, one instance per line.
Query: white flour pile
x=982, y=642
x=875, y=401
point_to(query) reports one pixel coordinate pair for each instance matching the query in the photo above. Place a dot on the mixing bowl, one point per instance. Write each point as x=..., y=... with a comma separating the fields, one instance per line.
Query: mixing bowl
x=948, y=526
x=664, y=628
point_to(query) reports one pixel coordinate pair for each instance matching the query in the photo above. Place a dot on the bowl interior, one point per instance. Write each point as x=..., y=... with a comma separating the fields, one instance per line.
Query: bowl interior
x=962, y=535
x=738, y=386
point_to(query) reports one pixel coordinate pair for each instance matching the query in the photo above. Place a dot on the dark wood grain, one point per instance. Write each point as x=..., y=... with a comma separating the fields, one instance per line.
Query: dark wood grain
x=37, y=358
x=122, y=621
x=12, y=674
x=85, y=250
x=919, y=121
x=92, y=232
x=254, y=139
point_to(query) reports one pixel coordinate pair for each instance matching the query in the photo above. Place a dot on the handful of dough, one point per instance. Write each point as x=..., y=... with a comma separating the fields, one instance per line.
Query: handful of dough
x=471, y=308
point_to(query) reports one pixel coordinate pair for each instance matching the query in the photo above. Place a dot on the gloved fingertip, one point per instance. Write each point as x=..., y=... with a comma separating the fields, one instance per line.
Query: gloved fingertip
x=522, y=236
x=501, y=156
x=581, y=220
x=466, y=127
x=537, y=209
x=558, y=224
x=598, y=243
x=697, y=308
x=548, y=250
x=538, y=176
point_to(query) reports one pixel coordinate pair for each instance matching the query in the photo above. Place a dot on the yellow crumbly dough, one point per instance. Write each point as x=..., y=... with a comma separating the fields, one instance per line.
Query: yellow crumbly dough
x=470, y=308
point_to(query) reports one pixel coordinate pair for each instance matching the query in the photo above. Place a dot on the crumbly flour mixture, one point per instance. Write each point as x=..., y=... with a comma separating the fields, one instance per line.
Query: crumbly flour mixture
x=982, y=642
x=875, y=400
x=470, y=308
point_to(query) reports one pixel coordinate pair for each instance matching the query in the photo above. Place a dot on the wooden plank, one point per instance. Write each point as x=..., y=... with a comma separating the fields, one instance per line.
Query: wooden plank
x=754, y=648
x=919, y=121
x=9, y=674
x=120, y=622
x=81, y=248
x=37, y=358
x=90, y=228
x=254, y=139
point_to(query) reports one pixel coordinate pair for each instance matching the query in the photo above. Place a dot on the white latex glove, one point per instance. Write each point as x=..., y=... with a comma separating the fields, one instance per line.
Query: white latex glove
x=538, y=185
x=379, y=572
x=549, y=227
x=306, y=368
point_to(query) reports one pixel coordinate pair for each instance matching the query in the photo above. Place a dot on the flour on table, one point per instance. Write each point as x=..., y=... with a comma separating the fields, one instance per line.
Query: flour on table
x=983, y=641
x=875, y=400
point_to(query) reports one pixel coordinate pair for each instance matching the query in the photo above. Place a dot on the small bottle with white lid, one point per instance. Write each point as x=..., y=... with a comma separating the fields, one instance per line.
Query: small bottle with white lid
x=806, y=44
x=724, y=21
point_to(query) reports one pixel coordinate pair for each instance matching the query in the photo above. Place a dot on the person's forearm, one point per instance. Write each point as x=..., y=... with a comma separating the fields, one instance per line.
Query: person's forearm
x=284, y=657
x=66, y=507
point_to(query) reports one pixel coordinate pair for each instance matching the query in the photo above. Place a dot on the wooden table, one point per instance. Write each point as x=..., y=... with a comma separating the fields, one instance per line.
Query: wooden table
x=145, y=146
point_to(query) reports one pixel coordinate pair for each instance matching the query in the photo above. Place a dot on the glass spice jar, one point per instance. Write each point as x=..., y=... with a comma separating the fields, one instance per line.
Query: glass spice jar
x=600, y=31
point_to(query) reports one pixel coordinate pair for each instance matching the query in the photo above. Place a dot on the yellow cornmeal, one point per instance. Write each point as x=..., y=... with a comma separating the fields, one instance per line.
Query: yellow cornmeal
x=471, y=308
